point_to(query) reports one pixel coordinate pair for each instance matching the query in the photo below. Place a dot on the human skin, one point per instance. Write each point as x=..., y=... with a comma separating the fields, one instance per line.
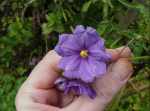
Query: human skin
x=39, y=94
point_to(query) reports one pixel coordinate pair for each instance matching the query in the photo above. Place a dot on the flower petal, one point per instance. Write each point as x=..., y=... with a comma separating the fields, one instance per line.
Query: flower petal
x=79, y=29
x=85, y=71
x=67, y=45
x=99, y=54
x=98, y=68
x=62, y=39
x=72, y=74
x=92, y=37
x=69, y=62
x=61, y=83
x=98, y=45
x=80, y=88
x=88, y=91
x=87, y=37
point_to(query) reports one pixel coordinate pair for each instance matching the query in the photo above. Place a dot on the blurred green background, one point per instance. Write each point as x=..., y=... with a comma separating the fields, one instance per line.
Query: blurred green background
x=29, y=28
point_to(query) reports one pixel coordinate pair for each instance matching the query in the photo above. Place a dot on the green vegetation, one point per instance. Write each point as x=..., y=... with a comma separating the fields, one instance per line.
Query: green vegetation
x=29, y=28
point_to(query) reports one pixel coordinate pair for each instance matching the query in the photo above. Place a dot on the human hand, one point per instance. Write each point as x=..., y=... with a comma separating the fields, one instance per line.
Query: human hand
x=39, y=94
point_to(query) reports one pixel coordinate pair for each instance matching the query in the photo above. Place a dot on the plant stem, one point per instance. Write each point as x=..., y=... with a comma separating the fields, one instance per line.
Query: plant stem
x=140, y=58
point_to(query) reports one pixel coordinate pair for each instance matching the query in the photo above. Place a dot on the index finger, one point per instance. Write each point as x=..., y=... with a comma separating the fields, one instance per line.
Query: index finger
x=45, y=72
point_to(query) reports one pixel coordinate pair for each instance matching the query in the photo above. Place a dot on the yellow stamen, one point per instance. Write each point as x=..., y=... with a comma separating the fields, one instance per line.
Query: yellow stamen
x=84, y=53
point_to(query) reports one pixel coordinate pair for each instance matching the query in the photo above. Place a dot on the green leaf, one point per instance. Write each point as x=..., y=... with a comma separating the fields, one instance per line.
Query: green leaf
x=46, y=28
x=54, y=23
x=103, y=26
x=86, y=6
x=138, y=6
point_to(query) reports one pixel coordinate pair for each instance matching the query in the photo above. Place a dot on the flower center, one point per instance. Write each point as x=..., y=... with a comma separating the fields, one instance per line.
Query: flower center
x=84, y=53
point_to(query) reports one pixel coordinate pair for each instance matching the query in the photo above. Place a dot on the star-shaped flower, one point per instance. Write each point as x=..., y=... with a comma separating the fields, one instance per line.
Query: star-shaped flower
x=83, y=54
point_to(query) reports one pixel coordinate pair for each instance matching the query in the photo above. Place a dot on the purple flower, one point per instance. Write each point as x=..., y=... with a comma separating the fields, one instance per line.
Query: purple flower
x=83, y=54
x=76, y=86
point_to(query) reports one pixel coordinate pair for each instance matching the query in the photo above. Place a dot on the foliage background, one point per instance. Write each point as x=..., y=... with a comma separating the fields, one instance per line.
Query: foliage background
x=29, y=28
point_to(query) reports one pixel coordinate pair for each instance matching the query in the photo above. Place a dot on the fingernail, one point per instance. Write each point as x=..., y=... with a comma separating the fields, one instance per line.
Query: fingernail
x=124, y=51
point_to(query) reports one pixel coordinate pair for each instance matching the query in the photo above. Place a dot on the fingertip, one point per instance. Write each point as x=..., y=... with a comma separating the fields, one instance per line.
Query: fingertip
x=113, y=53
x=52, y=58
x=121, y=52
x=124, y=51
